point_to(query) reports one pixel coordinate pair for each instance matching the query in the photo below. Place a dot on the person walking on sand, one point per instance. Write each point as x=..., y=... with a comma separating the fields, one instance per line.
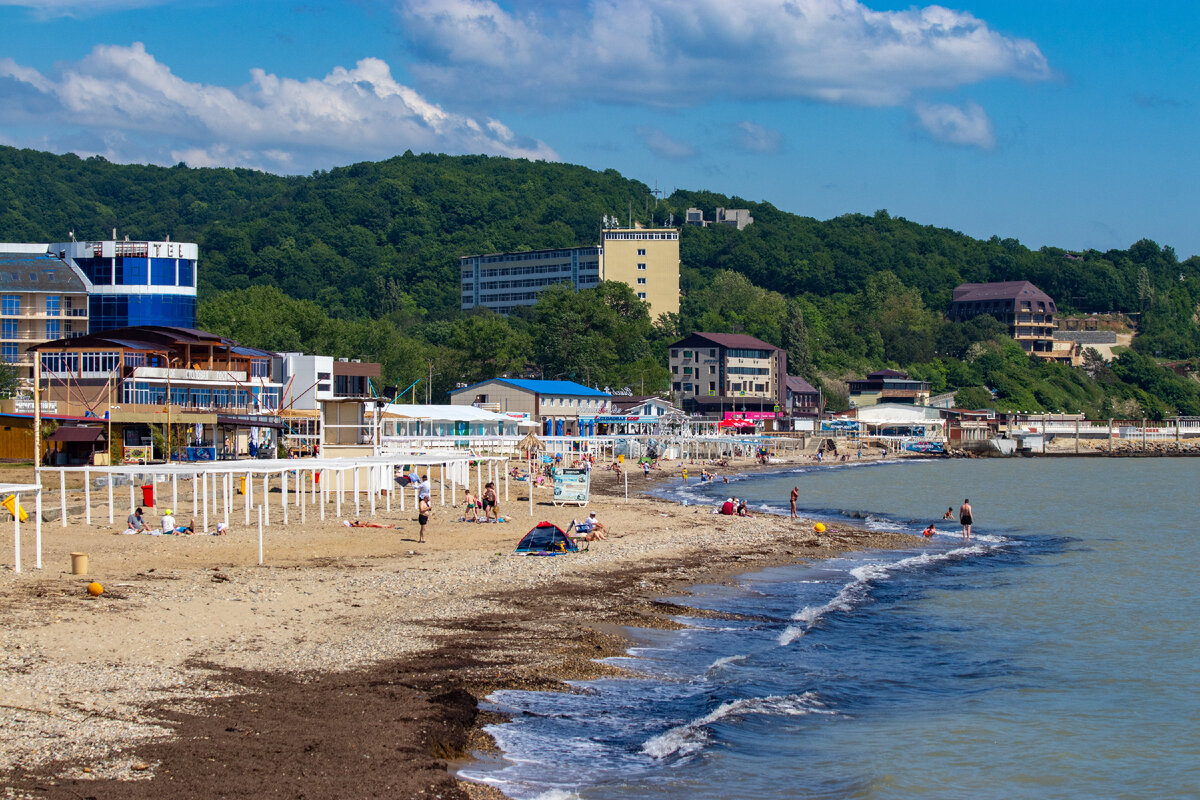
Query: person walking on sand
x=424, y=509
x=966, y=518
x=792, y=500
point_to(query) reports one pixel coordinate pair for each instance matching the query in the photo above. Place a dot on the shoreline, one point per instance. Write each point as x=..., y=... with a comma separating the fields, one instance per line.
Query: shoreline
x=384, y=651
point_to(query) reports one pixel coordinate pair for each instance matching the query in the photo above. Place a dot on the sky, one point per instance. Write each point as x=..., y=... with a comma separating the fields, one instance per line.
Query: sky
x=1065, y=123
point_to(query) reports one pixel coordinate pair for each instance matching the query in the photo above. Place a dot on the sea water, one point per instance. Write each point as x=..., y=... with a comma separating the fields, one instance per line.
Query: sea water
x=1054, y=656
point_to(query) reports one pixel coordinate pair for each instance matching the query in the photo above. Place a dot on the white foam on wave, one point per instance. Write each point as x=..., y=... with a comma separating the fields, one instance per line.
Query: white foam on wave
x=854, y=591
x=724, y=662
x=557, y=794
x=692, y=736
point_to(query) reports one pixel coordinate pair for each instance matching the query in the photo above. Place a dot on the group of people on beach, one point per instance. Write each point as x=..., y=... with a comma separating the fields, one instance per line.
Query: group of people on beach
x=136, y=523
x=488, y=503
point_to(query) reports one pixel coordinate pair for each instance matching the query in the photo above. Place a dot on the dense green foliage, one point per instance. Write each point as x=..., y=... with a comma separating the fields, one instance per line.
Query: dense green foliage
x=363, y=261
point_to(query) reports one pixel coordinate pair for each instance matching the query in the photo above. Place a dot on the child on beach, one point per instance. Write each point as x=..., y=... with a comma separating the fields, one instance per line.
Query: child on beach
x=471, y=509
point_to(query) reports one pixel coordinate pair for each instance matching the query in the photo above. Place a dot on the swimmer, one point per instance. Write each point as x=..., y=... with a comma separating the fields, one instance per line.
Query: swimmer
x=930, y=531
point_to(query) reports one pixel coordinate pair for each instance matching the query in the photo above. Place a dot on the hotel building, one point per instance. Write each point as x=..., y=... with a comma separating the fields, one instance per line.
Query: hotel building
x=728, y=372
x=67, y=289
x=1025, y=310
x=645, y=259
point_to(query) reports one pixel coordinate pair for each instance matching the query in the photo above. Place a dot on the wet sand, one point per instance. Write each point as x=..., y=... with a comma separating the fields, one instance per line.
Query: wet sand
x=349, y=663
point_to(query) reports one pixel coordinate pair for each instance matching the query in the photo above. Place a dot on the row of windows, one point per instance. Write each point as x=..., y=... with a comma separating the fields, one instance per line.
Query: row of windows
x=757, y=388
x=492, y=286
x=572, y=402
x=736, y=353
x=139, y=392
x=712, y=353
x=10, y=329
x=511, y=297
x=56, y=305
x=534, y=255
x=643, y=236
x=119, y=311
x=139, y=271
x=748, y=370
x=544, y=269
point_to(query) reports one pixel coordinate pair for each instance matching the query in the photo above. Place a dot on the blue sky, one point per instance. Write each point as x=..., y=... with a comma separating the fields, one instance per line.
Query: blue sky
x=1055, y=122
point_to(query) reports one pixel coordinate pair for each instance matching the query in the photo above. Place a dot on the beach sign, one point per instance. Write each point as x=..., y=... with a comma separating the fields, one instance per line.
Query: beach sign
x=572, y=486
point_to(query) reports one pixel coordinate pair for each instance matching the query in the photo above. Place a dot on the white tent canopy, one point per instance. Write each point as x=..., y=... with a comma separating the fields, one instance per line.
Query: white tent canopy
x=445, y=420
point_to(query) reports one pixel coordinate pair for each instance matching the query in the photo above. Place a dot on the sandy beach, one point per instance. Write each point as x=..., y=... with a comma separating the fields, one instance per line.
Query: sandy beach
x=350, y=661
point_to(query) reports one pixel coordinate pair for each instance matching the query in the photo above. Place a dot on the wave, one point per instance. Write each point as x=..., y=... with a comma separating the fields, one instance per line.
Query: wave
x=854, y=592
x=724, y=662
x=691, y=737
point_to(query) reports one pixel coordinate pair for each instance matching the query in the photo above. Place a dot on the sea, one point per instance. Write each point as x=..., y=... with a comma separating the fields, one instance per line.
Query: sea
x=1056, y=655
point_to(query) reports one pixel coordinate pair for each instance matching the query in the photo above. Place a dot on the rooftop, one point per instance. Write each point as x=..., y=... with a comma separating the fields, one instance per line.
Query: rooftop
x=567, y=388
x=29, y=272
x=1003, y=290
x=150, y=338
x=735, y=341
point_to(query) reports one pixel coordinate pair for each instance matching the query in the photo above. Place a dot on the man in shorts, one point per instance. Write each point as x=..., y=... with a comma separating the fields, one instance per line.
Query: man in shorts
x=424, y=509
x=966, y=519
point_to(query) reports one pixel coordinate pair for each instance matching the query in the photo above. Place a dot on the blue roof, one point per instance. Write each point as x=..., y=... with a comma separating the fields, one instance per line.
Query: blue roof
x=570, y=388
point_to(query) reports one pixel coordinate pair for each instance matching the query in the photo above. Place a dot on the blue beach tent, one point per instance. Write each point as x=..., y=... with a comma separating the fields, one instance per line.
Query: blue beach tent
x=546, y=538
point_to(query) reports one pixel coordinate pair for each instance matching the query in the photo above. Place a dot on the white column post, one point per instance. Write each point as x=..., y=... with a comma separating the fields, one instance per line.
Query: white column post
x=265, y=505
x=204, y=501
x=132, y=504
x=283, y=498
x=249, y=481
x=111, y=501
x=260, y=535
x=87, y=495
x=300, y=493
x=357, y=499
x=372, y=481
x=195, y=494
x=504, y=465
x=16, y=533
x=37, y=526
x=443, y=468
x=338, y=499
x=62, y=494
x=324, y=491
x=175, y=491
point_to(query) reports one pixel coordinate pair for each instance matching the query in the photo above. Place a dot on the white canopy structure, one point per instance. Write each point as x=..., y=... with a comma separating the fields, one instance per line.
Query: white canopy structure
x=445, y=420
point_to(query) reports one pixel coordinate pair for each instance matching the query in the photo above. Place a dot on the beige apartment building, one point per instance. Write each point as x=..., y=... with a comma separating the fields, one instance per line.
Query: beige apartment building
x=645, y=259
x=714, y=372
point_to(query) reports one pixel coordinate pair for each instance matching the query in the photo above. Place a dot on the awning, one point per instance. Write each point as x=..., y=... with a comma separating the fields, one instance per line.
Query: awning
x=249, y=422
x=75, y=433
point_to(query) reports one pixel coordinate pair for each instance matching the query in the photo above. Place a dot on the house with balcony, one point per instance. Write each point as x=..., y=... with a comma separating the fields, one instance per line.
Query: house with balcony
x=196, y=394
x=1027, y=312
x=41, y=298
x=719, y=373
x=888, y=386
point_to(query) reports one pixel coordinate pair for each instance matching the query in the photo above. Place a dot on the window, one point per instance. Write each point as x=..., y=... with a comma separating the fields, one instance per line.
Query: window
x=641, y=281
x=712, y=370
x=187, y=272
x=53, y=330
x=641, y=266
x=258, y=368
x=10, y=304
x=641, y=295
x=162, y=271
x=53, y=304
x=641, y=251
x=10, y=329
x=8, y=351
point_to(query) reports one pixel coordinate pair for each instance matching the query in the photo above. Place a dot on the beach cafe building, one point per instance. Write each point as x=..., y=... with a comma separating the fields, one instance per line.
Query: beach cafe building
x=560, y=408
x=218, y=398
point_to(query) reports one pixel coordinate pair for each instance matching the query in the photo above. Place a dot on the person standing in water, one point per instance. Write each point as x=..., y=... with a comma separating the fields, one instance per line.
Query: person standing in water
x=792, y=499
x=966, y=519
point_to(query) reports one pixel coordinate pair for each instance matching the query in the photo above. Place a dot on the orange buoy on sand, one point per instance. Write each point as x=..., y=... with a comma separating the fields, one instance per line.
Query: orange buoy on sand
x=819, y=527
x=95, y=589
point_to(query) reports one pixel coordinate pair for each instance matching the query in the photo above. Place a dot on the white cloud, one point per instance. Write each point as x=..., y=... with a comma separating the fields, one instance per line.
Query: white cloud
x=967, y=127
x=664, y=146
x=755, y=138
x=274, y=123
x=78, y=8
x=688, y=52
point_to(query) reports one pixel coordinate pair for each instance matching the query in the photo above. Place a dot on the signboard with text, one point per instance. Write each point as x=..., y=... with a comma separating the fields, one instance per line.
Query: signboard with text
x=572, y=486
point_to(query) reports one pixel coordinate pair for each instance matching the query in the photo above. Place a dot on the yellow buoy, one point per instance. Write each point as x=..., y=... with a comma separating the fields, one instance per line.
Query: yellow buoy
x=819, y=527
x=95, y=589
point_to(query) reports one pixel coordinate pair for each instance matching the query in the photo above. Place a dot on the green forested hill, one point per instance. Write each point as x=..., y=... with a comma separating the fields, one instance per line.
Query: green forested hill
x=363, y=261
